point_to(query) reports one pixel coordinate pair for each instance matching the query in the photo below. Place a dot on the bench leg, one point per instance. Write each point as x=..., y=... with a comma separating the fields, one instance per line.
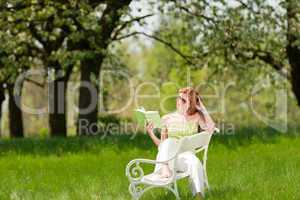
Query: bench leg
x=205, y=178
x=134, y=191
x=137, y=192
x=174, y=189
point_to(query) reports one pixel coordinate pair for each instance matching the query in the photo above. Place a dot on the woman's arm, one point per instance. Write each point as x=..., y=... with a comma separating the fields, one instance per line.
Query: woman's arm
x=156, y=140
x=164, y=131
x=209, y=123
x=150, y=132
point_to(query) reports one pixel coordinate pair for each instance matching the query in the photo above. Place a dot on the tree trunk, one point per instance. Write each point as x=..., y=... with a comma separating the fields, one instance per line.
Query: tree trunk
x=87, y=122
x=293, y=47
x=15, y=113
x=57, y=108
x=2, y=98
x=88, y=97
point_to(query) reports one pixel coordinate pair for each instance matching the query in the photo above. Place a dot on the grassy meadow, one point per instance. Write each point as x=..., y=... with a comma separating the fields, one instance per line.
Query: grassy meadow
x=256, y=163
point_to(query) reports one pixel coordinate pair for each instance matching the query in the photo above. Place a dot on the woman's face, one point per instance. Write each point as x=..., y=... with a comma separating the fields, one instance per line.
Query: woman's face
x=181, y=103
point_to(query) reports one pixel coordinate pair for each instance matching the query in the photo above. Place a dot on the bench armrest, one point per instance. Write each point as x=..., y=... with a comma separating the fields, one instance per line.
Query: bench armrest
x=135, y=172
x=199, y=150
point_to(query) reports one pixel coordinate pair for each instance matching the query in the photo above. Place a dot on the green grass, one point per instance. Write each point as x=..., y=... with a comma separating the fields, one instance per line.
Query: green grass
x=254, y=164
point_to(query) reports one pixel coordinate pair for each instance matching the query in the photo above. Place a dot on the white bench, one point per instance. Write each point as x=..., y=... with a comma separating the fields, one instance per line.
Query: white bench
x=140, y=183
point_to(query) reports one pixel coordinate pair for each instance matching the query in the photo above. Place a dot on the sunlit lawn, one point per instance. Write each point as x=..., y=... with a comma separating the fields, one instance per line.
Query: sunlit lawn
x=265, y=166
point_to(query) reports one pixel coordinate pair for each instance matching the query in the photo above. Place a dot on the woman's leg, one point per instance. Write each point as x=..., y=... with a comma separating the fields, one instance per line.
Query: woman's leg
x=166, y=150
x=188, y=162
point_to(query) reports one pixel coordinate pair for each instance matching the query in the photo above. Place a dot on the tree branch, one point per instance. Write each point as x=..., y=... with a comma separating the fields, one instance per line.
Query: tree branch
x=210, y=19
x=124, y=25
x=36, y=35
x=275, y=64
x=247, y=6
x=267, y=58
x=19, y=6
x=110, y=18
x=187, y=58
x=41, y=85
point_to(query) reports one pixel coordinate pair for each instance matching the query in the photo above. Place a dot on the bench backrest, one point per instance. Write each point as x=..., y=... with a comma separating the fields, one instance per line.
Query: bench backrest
x=196, y=142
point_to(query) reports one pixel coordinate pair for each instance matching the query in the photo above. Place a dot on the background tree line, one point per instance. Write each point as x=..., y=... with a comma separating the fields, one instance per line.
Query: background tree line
x=222, y=39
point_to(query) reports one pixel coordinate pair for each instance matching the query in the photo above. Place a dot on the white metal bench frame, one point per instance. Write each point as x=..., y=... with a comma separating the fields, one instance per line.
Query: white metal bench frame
x=135, y=173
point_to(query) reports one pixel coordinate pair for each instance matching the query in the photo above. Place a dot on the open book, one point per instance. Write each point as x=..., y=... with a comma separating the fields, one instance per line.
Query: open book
x=142, y=117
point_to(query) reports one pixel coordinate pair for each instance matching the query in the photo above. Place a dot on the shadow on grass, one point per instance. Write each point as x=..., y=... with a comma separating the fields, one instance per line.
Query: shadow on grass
x=58, y=146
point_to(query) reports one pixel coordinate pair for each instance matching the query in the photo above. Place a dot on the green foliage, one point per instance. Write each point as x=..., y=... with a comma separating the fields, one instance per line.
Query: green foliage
x=55, y=32
x=229, y=36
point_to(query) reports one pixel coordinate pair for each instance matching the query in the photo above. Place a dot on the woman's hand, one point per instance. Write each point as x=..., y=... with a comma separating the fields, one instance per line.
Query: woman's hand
x=149, y=128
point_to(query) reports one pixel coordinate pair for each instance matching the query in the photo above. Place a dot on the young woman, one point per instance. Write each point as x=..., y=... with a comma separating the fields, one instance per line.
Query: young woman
x=191, y=117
